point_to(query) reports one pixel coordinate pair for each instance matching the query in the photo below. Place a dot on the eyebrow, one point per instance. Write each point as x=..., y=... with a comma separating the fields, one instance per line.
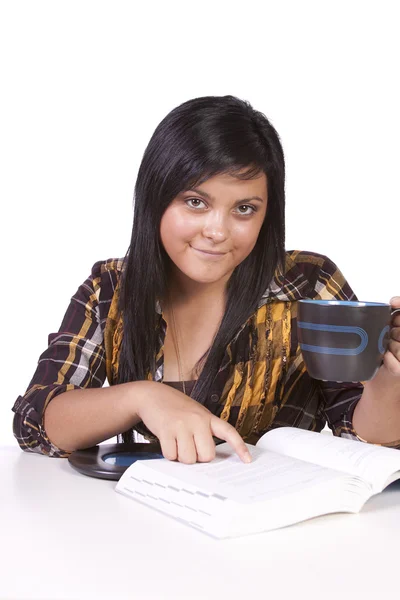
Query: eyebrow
x=209, y=197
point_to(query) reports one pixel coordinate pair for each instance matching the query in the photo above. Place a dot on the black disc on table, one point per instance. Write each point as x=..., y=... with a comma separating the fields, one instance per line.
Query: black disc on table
x=110, y=461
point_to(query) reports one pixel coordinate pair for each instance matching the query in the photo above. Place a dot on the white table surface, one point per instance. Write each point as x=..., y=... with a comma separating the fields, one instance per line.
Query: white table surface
x=68, y=536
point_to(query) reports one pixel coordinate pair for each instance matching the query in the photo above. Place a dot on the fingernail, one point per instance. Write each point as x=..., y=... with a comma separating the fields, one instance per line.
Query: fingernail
x=247, y=458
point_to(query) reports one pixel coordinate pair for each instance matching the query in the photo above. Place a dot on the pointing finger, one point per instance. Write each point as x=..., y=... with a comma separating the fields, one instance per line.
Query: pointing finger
x=226, y=432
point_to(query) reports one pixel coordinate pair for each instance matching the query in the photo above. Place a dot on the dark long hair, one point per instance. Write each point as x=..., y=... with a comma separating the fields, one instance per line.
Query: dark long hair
x=200, y=138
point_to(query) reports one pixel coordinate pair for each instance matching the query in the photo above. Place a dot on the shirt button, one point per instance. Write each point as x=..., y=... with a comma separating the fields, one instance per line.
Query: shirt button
x=214, y=398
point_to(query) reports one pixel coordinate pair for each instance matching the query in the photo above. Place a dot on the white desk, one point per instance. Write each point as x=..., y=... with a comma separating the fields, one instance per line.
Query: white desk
x=67, y=536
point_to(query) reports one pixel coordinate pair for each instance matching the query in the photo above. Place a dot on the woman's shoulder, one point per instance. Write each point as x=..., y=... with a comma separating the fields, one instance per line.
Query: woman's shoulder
x=106, y=273
x=99, y=289
x=307, y=262
x=102, y=281
x=110, y=265
x=308, y=274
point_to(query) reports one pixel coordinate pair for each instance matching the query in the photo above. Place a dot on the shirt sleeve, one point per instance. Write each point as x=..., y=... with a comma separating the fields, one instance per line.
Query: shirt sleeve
x=339, y=408
x=74, y=359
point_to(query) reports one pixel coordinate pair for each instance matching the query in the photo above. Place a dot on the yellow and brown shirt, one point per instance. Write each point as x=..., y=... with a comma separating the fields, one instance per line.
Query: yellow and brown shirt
x=262, y=382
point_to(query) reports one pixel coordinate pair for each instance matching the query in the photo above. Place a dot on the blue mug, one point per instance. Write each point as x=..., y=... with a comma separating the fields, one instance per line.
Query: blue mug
x=343, y=341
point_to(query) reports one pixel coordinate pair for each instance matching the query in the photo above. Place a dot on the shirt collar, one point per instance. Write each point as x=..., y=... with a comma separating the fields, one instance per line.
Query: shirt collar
x=289, y=286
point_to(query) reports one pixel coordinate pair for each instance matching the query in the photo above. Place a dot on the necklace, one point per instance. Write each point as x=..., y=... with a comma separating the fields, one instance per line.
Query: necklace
x=176, y=344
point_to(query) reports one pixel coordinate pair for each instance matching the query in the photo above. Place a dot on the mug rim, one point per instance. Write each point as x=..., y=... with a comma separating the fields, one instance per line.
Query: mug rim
x=355, y=303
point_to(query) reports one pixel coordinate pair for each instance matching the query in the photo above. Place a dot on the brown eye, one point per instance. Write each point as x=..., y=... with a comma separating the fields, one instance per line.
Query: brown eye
x=246, y=209
x=195, y=203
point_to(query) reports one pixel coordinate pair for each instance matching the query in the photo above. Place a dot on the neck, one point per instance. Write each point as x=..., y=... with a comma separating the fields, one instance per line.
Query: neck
x=183, y=290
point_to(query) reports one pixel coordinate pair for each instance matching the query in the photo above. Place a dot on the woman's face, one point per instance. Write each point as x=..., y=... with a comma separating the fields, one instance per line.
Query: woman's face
x=209, y=230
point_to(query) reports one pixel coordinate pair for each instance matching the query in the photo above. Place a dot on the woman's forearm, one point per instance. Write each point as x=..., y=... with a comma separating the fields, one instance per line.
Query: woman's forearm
x=376, y=417
x=82, y=418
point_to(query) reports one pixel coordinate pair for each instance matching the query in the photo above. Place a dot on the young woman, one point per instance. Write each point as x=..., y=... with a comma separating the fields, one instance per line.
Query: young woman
x=195, y=329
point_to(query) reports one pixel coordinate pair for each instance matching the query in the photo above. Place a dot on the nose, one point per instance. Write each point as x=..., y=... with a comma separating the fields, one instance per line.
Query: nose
x=216, y=227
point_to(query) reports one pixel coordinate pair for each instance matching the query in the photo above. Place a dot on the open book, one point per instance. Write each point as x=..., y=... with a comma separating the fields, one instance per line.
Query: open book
x=294, y=475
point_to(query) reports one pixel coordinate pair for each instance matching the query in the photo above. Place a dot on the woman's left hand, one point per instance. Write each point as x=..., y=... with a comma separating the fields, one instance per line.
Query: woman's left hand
x=391, y=359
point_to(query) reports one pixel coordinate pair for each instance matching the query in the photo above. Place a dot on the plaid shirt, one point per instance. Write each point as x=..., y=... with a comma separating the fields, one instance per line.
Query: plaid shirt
x=79, y=356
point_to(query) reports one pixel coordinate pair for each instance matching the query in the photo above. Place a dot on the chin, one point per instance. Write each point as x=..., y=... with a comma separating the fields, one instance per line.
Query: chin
x=199, y=274
x=198, y=278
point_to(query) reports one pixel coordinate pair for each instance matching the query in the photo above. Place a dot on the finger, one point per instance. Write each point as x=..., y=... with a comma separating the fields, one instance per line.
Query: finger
x=396, y=320
x=168, y=447
x=186, y=448
x=395, y=302
x=394, y=348
x=392, y=364
x=205, y=446
x=225, y=431
x=395, y=334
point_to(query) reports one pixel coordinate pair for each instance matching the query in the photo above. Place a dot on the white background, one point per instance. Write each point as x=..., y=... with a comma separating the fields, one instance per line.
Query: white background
x=83, y=86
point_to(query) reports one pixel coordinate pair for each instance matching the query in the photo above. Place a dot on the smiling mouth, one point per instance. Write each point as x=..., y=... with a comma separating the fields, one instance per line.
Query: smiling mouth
x=209, y=252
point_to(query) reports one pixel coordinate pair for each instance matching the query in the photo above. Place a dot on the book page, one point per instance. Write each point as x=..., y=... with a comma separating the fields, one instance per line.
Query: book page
x=375, y=464
x=268, y=475
x=226, y=497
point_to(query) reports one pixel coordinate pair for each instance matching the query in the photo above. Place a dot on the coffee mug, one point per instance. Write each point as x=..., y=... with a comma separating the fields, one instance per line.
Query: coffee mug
x=342, y=340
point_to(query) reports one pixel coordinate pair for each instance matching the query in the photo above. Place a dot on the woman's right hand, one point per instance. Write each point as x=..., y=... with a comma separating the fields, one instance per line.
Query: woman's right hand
x=184, y=427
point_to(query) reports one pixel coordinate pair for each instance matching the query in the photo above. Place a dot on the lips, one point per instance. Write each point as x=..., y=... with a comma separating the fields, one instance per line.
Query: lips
x=209, y=253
